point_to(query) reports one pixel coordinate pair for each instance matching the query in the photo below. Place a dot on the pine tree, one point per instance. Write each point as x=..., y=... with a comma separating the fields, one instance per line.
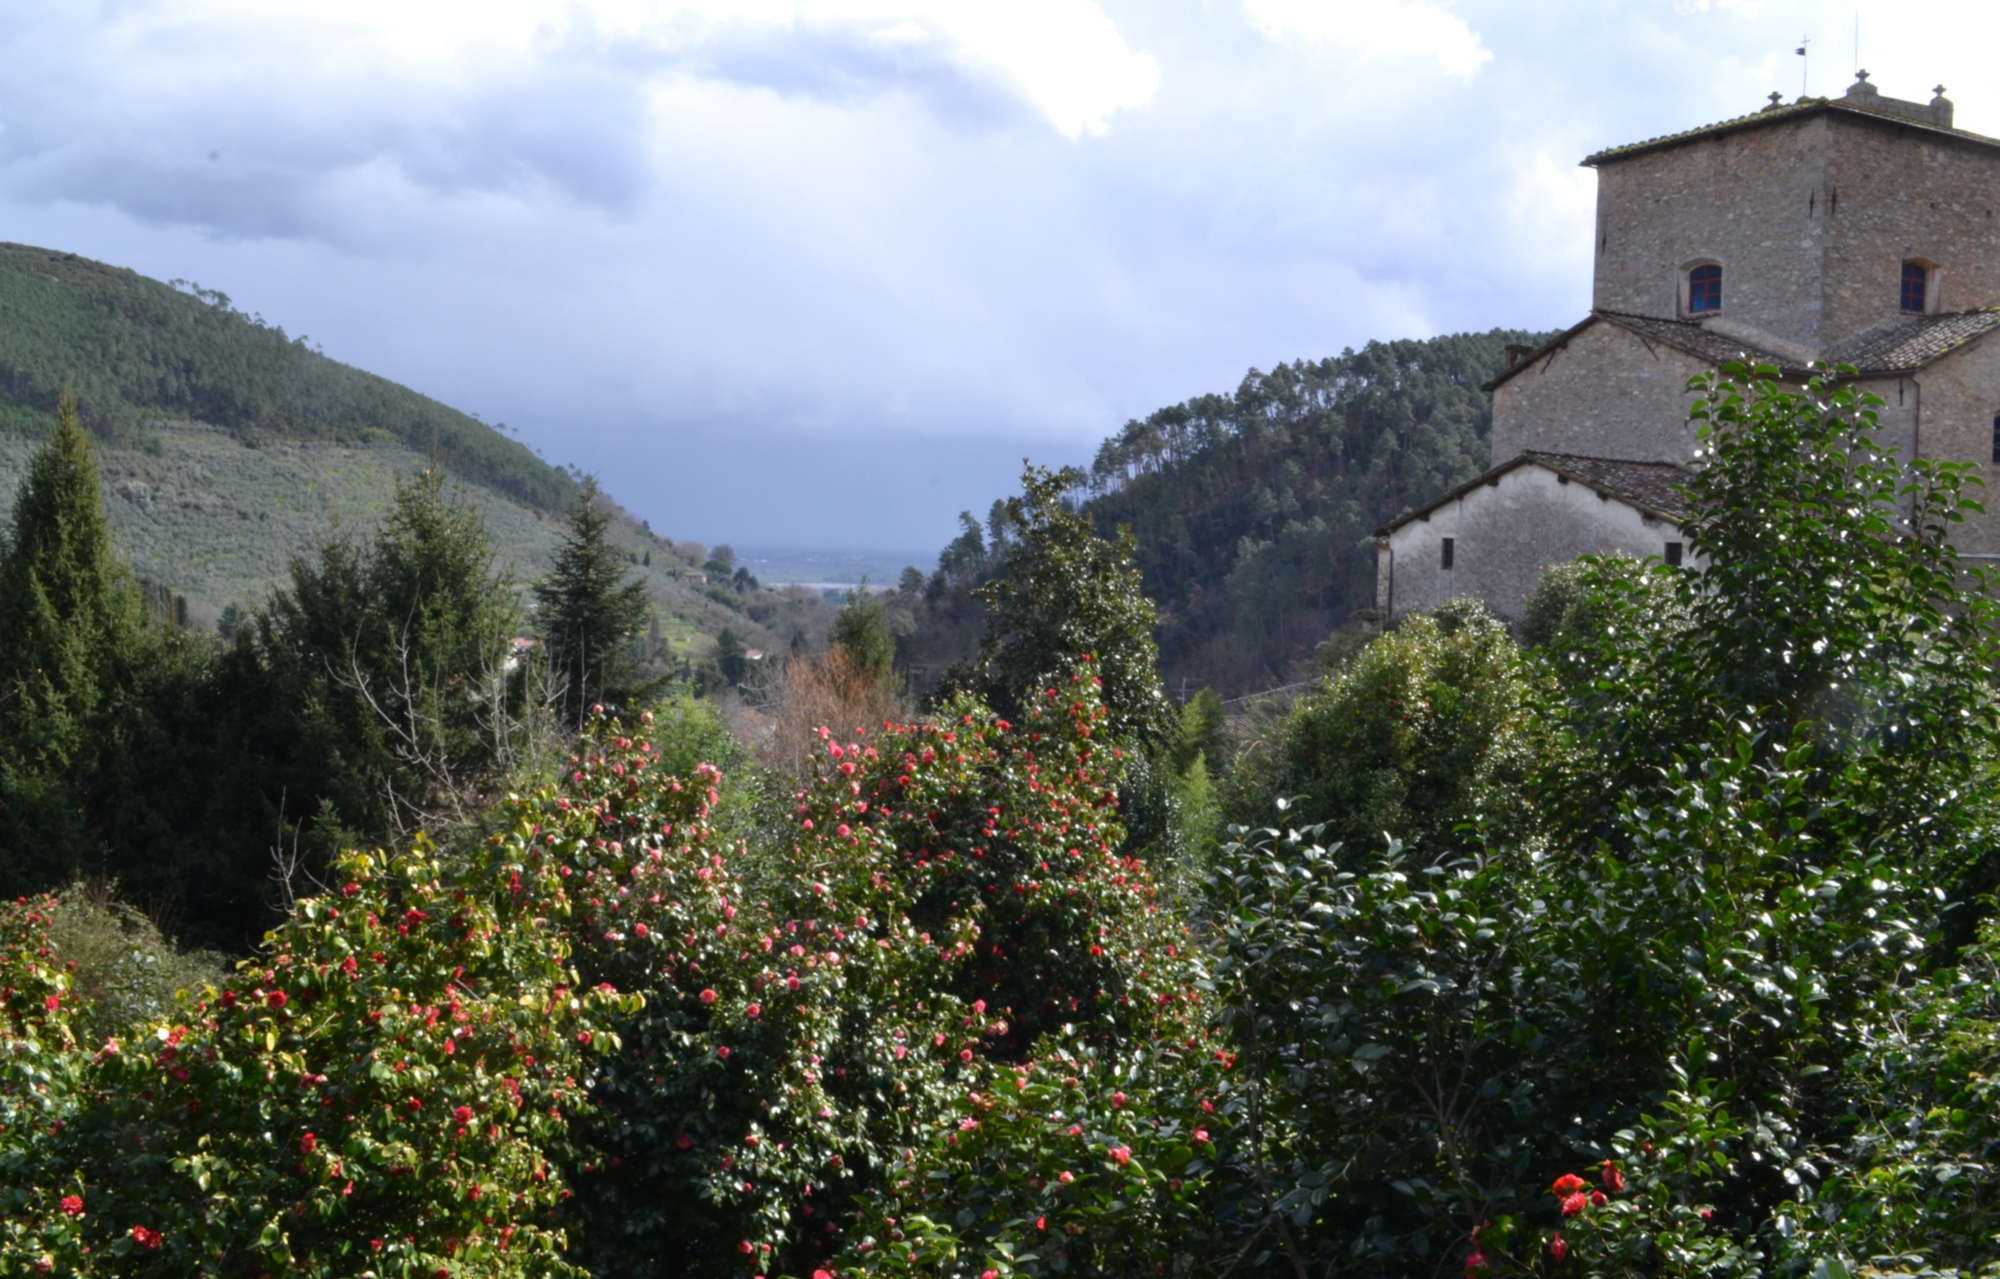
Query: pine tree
x=590, y=614
x=73, y=639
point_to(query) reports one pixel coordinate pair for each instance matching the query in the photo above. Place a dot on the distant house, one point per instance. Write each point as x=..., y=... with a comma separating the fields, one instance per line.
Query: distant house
x=1859, y=230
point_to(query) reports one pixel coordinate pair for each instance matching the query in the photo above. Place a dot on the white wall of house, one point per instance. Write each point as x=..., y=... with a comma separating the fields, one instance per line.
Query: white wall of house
x=1504, y=534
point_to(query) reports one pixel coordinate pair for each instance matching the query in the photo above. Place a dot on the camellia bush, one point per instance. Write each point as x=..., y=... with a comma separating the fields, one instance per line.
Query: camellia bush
x=947, y=894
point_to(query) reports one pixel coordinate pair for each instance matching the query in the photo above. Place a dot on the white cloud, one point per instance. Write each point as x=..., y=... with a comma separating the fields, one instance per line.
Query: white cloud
x=1377, y=26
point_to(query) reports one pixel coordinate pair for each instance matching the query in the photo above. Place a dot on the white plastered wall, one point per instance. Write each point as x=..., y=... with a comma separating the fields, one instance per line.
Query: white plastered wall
x=1505, y=533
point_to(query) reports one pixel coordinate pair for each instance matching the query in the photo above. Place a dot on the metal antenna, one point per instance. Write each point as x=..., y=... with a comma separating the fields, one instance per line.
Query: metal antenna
x=1804, y=63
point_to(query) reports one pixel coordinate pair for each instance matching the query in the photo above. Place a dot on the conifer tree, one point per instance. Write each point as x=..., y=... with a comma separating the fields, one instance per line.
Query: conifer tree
x=1066, y=595
x=590, y=614
x=73, y=635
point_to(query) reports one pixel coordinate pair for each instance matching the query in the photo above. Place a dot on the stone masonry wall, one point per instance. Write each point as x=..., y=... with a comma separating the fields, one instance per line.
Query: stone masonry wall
x=1950, y=408
x=1811, y=220
x=1608, y=393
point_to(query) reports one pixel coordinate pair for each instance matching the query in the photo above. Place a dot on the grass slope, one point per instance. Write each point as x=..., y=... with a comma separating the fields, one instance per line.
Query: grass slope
x=135, y=351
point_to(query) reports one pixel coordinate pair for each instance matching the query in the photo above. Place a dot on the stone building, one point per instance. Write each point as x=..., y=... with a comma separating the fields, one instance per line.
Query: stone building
x=1858, y=230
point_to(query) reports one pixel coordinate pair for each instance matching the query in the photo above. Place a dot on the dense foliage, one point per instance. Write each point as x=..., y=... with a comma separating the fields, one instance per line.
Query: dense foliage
x=135, y=350
x=1654, y=947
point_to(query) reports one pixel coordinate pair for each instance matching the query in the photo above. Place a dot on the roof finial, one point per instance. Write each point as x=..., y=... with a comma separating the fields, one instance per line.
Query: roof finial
x=1938, y=89
x=1776, y=98
x=1862, y=76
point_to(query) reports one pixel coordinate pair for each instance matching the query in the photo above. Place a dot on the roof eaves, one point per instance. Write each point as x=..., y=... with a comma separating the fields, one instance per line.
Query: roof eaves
x=1799, y=110
x=1548, y=462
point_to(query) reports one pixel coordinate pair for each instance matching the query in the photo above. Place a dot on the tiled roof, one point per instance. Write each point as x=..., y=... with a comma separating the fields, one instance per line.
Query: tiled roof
x=1895, y=348
x=1697, y=340
x=1646, y=485
x=1913, y=343
x=1774, y=114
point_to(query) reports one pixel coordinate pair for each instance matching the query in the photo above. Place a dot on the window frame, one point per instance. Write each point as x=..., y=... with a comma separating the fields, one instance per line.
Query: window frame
x=1447, y=552
x=1930, y=270
x=1688, y=288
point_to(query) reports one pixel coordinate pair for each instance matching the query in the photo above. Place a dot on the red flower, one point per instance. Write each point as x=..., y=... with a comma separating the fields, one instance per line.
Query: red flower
x=308, y=1144
x=1476, y=1262
x=1614, y=1180
x=463, y=1114
x=227, y=999
x=147, y=1239
x=965, y=1054
x=684, y=1141
x=1597, y=1198
x=1123, y=1154
x=1567, y=1184
x=1558, y=1249
x=73, y=1205
x=1118, y=1101
x=348, y=890
x=642, y=931
x=708, y=996
x=1574, y=1204
x=754, y=1010
x=276, y=999
x=723, y=1052
x=746, y=1247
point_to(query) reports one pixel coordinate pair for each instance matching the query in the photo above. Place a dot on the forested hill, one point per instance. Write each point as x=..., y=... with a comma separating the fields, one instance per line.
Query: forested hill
x=136, y=351
x=1253, y=509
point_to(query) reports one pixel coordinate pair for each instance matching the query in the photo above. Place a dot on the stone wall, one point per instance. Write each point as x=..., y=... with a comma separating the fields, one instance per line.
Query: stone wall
x=1811, y=219
x=1606, y=393
x=1949, y=410
x=1505, y=533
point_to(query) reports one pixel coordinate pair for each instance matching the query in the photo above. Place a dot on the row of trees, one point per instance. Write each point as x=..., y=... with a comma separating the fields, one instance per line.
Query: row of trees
x=379, y=692
x=1657, y=946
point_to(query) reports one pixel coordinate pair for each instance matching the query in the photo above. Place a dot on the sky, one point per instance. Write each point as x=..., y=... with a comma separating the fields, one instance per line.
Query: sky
x=820, y=273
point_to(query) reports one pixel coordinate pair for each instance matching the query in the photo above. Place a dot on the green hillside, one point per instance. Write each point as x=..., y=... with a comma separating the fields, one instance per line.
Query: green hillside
x=227, y=447
x=136, y=351
x=1253, y=509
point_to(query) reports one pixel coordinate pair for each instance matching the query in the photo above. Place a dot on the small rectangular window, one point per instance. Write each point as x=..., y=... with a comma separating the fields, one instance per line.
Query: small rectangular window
x=1916, y=287
x=1674, y=554
x=1704, y=290
x=1996, y=441
x=1444, y=552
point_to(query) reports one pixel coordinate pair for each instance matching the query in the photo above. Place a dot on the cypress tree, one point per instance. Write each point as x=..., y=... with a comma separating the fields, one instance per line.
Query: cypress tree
x=73, y=640
x=590, y=614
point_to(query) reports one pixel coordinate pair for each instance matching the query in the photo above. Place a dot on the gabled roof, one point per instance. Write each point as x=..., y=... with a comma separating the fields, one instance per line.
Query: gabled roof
x=1903, y=346
x=1646, y=486
x=1778, y=113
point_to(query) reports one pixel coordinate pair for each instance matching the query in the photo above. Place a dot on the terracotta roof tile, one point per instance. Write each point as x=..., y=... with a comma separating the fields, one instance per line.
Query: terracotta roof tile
x=1648, y=484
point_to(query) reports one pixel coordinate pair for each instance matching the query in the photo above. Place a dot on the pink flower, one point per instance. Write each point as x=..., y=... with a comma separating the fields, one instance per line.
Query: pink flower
x=308, y=1144
x=1614, y=1181
x=723, y=1052
x=1476, y=1262
x=965, y=1054
x=642, y=931
x=73, y=1205
x=708, y=996
x=1066, y=1177
x=1123, y=1154
x=754, y=1010
x=1118, y=1101
x=841, y=830
x=147, y=1239
x=1558, y=1249
x=1574, y=1204
x=1201, y=1135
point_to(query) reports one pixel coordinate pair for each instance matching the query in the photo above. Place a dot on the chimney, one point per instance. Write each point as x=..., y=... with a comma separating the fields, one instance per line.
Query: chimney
x=1516, y=352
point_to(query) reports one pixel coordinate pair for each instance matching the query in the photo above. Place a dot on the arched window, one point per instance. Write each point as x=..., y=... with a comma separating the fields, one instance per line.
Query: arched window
x=1916, y=287
x=1704, y=289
